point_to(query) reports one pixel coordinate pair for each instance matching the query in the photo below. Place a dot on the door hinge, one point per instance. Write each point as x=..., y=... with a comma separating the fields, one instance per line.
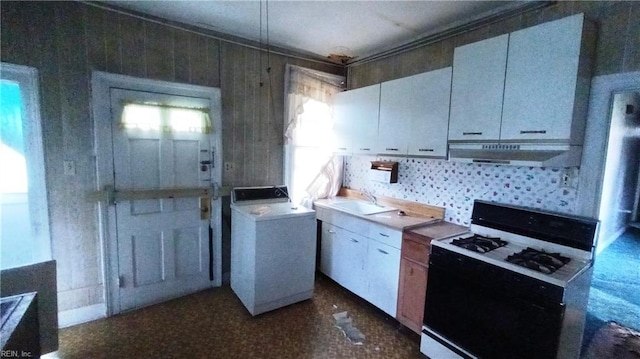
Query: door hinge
x=121, y=281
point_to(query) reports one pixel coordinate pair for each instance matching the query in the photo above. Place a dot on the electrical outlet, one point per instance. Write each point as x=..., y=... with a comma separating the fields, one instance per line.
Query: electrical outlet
x=568, y=178
x=69, y=168
x=228, y=166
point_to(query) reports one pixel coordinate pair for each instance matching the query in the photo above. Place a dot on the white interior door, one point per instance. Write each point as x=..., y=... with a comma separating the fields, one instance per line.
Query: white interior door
x=163, y=245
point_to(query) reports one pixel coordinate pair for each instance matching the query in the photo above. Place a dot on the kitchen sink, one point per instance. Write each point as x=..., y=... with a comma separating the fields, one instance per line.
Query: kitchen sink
x=362, y=208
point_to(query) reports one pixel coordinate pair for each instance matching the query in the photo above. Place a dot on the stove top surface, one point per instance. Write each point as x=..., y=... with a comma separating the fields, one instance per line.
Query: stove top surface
x=539, y=260
x=478, y=243
x=553, y=263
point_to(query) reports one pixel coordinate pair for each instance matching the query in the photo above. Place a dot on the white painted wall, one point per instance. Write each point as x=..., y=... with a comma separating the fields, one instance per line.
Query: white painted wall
x=592, y=169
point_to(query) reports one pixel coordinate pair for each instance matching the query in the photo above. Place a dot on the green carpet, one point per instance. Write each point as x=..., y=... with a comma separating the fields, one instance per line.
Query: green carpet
x=615, y=286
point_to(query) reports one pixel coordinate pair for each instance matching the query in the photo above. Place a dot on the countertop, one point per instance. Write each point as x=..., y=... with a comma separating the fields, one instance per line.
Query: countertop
x=389, y=219
x=439, y=230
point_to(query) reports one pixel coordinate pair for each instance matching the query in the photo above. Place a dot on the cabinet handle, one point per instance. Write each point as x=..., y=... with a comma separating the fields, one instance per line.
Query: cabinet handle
x=354, y=240
x=365, y=149
x=331, y=231
x=471, y=133
x=381, y=251
x=391, y=149
x=532, y=131
x=342, y=148
x=425, y=149
x=384, y=235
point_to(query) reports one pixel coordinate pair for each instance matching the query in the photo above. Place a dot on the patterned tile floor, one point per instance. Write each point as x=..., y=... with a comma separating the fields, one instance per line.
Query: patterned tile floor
x=214, y=324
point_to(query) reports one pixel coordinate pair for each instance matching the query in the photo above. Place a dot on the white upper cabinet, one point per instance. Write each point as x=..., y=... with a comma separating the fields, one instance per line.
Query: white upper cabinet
x=366, y=102
x=428, y=128
x=397, y=107
x=355, y=116
x=414, y=114
x=342, y=123
x=528, y=86
x=543, y=89
x=477, y=89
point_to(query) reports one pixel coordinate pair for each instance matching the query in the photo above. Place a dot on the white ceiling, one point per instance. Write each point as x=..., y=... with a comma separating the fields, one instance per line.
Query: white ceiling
x=353, y=28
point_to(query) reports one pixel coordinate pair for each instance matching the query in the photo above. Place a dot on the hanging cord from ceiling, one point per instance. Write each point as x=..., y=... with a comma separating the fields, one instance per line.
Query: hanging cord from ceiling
x=265, y=47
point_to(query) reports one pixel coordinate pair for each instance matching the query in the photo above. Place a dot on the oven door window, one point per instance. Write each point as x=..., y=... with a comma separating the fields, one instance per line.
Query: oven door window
x=489, y=321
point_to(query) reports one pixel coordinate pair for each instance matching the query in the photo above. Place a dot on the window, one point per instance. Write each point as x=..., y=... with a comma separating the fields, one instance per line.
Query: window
x=165, y=118
x=311, y=171
x=24, y=220
x=309, y=152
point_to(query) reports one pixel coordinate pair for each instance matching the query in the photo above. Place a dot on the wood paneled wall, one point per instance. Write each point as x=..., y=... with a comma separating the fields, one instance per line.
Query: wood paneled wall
x=66, y=41
x=618, y=48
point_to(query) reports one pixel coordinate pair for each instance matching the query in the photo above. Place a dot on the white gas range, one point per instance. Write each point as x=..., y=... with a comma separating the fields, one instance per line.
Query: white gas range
x=516, y=286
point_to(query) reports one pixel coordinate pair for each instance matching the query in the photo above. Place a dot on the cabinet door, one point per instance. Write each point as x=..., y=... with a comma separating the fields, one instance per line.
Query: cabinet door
x=342, y=257
x=365, y=104
x=383, y=271
x=411, y=294
x=540, y=87
x=477, y=89
x=342, y=123
x=352, y=266
x=429, y=124
x=397, y=109
x=329, y=256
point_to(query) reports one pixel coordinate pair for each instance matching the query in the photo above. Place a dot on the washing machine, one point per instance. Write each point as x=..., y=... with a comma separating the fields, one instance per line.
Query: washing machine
x=273, y=248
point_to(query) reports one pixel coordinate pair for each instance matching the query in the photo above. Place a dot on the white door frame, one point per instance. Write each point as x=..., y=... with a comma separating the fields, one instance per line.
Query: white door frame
x=101, y=84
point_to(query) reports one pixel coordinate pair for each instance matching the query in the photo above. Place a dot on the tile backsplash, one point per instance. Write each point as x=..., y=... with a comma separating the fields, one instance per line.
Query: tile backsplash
x=455, y=185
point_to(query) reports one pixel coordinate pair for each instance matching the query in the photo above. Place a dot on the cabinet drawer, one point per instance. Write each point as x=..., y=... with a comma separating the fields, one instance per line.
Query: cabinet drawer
x=342, y=220
x=386, y=235
x=416, y=251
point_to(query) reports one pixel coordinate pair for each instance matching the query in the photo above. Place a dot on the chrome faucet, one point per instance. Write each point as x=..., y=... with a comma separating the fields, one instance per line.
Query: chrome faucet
x=369, y=196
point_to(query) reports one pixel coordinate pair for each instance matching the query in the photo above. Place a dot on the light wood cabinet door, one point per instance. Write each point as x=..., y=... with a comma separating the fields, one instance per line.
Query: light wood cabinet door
x=411, y=294
x=477, y=89
x=541, y=81
x=414, y=268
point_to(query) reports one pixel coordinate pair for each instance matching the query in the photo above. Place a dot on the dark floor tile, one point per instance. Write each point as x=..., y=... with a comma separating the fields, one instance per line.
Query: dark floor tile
x=214, y=324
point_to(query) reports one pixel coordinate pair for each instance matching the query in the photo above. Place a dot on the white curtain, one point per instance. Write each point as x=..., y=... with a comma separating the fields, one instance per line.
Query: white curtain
x=311, y=171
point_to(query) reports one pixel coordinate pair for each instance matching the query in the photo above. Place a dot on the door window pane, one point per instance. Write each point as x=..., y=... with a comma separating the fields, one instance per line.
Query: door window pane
x=14, y=196
x=12, y=155
x=24, y=219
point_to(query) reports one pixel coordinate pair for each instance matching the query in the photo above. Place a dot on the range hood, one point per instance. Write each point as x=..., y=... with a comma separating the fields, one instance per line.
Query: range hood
x=529, y=154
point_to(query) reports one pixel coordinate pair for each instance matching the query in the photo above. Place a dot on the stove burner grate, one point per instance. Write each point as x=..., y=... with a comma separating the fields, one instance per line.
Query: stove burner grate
x=480, y=244
x=538, y=260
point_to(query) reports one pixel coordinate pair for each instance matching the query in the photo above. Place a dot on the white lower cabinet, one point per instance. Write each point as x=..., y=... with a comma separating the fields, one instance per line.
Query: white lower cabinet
x=383, y=273
x=365, y=266
x=343, y=257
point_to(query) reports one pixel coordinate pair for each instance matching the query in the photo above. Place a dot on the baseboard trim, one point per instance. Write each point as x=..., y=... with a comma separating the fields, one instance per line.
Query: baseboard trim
x=602, y=246
x=81, y=315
